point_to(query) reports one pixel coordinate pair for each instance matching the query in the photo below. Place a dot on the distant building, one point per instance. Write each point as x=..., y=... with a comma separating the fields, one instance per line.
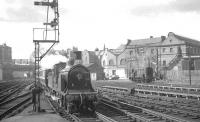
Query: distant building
x=22, y=68
x=23, y=62
x=91, y=61
x=142, y=53
x=13, y=68
x=180, y=59
x=173, y=58
x=5, y=54
x=113, y=62
x=5, y=62
x=1, y=72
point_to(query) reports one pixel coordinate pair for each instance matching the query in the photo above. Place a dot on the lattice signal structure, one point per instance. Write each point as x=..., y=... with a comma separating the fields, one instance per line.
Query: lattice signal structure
x=48, y=34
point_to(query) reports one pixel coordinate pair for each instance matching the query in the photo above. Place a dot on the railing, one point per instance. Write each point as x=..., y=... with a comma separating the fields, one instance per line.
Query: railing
x=173, y=62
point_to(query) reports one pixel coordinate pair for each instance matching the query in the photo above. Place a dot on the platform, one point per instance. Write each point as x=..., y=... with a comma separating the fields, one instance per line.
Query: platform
x=44, y=106
x=28, y=115
x=36, y=117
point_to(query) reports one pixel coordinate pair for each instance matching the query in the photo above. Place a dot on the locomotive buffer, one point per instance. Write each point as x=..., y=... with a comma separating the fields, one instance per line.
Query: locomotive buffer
x=48, y=34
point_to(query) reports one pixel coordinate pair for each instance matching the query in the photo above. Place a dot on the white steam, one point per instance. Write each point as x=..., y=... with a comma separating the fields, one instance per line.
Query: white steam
x=49, y=60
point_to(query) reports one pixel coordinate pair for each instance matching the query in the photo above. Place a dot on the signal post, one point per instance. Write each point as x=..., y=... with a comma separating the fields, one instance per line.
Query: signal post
x=48, y=34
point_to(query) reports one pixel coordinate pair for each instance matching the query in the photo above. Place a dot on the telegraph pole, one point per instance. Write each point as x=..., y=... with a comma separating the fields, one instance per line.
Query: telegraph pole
x=157, y=62
x=189, y=55
x=50, y=29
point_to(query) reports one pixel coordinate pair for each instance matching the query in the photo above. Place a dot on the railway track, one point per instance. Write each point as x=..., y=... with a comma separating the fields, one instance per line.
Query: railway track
x=166, y=109
x=189, y=111
x=13, y=98
x=135, y=114
x=97, y=117
x=115, y=111
x=12, y=106
x=61, y=111
x=5, y=85
x=13, y=91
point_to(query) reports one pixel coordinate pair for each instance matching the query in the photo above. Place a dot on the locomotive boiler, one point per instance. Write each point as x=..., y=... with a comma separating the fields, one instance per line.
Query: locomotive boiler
x=72, y=87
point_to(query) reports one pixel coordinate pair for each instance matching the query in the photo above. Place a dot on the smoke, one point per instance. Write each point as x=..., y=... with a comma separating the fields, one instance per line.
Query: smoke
x=48, y=61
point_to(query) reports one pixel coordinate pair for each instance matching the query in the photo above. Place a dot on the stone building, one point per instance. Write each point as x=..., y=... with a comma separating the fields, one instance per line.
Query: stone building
x=1, y=72
x=142, y=53
x=5, y=54
x=114, y=62
x=91, y=61
x=5, y=62
x=181, y=59
x=13, y=68
x=173, y=58
x=22, y=68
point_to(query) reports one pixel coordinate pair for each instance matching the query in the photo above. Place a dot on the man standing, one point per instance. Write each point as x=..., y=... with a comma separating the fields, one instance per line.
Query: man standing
x=34, y=92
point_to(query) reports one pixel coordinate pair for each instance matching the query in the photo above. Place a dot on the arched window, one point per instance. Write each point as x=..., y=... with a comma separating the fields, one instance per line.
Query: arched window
x=111, y=62
x=131, y=52
x=104, y=63
x=86, y=59
x=122, y=61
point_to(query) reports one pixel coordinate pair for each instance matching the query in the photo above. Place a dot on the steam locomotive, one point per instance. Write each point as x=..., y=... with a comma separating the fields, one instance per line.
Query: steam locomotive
x=72, y=87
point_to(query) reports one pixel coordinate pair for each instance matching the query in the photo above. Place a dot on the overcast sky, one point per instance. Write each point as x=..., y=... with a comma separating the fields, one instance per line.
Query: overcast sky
x=88, y=24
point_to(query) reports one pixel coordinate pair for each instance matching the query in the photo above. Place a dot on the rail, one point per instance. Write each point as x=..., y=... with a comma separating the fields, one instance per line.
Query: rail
x=17, y=105
x=170, y=110
x=104, y=118
x=174, y=119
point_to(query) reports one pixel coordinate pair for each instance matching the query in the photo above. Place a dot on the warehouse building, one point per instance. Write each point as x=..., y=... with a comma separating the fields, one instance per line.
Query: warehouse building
x=174, y=58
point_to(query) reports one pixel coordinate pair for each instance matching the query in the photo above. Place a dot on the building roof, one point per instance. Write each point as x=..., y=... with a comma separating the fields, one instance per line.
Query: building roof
x=4, y=45
x=116, y=51
x=185, y=39
x=121, y=47
x=148, y=41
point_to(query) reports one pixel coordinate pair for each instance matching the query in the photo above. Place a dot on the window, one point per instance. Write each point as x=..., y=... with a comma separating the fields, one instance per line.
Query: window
x=164, y=63
x=170, y=40
x=113, y=72
x=163, y=50
x=104, y=63
x=152, y=51
x=111, y=62
x=122, y=62
x=192, y=64
x=193, y=50
x=131, y=52
x=141, y=50
x=196, y=51
x=171, y=50
x=186, y=64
